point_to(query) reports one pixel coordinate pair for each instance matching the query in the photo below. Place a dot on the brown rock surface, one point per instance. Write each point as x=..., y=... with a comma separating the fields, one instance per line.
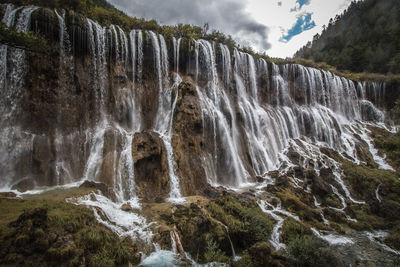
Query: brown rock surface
x=188, y=140
x=151, y=166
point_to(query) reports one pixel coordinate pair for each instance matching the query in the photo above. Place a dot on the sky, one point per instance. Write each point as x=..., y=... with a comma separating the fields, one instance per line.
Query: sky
x=278, y=27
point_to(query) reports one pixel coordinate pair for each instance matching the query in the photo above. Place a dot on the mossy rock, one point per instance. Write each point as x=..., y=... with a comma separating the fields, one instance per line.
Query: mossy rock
x=308, y=250
x=293, y=229
x=52, y=232
x=393, y=240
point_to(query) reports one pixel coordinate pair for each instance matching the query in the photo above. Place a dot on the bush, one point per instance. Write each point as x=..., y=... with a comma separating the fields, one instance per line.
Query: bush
x=214, y=254
x=311, y=251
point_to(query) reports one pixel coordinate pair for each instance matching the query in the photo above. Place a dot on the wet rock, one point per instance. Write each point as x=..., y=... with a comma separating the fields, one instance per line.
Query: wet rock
x=103, y=188
x=188, y=140
x=364, y=155
x=212, y=192
x=113, y=141
x=319, y=184
x=24, y=185
x=259, y=179
x=126, y=207
x=151, y=166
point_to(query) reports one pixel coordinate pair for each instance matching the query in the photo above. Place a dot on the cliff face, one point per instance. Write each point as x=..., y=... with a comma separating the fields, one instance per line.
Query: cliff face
x=157, y=117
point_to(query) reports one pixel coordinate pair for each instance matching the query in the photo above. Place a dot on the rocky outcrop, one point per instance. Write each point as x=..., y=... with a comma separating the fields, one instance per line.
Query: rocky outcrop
x=188, y=140
x=151, y=166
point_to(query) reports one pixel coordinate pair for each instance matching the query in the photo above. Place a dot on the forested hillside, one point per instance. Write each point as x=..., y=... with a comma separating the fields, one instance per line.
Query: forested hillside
x=366, y=37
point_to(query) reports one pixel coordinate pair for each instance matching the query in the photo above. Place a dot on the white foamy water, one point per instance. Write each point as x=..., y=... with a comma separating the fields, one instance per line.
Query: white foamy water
x=121, y=222
x=333, y=238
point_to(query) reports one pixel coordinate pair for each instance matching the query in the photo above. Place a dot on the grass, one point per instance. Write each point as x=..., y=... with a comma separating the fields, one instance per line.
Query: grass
x=52, y=232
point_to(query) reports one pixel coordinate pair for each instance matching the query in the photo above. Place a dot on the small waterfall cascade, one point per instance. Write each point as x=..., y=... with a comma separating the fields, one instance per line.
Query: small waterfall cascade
x=234, y=256
x=17, y=57
x=9, y=20
x=163, y=124
x=279, y=215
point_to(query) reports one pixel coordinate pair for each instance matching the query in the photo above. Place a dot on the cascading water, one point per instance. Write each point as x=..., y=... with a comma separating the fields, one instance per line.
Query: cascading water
x=163, y=123
x=8, y=20
x=252, y=112
x=238, y=125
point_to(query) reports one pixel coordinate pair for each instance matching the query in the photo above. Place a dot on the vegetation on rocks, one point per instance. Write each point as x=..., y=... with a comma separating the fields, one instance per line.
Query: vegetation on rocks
x=49, y=232
x=310, y=251
x=25, y=41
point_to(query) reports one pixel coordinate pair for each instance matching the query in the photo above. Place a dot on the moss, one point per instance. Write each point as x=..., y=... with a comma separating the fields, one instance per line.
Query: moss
x=54, y=232
x=246, y=222
x=292, y=229
x=296, y=205
x=389, y=144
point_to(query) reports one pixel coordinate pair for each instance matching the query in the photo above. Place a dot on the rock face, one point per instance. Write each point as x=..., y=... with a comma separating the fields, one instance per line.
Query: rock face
x=188, y=140
x=151, y=167
x=133, y=110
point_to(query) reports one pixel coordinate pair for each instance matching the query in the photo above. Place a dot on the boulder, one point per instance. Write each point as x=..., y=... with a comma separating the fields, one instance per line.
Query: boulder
x=151, y=166
x=103, y=188
x=126, y=207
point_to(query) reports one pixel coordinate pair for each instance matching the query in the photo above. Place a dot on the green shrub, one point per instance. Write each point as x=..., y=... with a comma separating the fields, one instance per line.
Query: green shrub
x=214, y=254
x=310, y=251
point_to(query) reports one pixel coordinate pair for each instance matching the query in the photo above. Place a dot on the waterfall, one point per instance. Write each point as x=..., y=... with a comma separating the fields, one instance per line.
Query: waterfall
x=8, y=20
x=252, y=110
x=218, y=108
x=132, y=37
x=140, y=57
x=97, y=47
x=164, y=120
x=115, y=45
x=63, y=29
x=226, y=65
x=177, y=45
x=124, y=44
x=17, y=59
x=234, y=257
x=96, y=153
x=273, y=211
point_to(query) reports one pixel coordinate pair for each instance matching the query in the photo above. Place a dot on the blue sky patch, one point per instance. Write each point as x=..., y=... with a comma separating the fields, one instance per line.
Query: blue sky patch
x=299, y=5
x=303, y=23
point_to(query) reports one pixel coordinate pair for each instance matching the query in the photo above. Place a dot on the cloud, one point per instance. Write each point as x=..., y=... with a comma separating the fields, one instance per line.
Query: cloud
x=304, y=22
x=227, y=16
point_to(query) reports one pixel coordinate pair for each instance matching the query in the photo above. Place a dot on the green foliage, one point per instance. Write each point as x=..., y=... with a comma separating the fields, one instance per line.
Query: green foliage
x=311, y=251
x=213, y=253
x=365, y=38
x=21, y=40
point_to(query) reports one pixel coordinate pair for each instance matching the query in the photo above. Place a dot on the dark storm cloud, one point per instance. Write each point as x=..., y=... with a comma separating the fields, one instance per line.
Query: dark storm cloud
x=227, y=16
